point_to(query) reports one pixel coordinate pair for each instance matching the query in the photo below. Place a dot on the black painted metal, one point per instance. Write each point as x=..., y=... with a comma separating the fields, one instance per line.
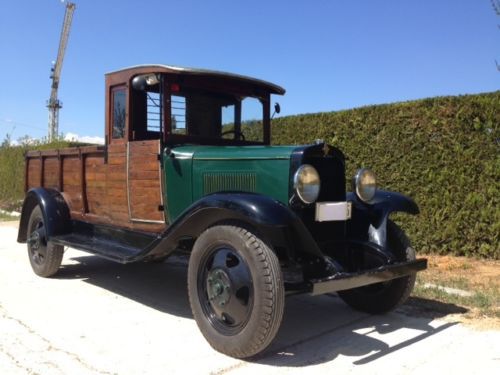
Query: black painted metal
x=317, y=250
x=37, y=243
x=369, y=220
x=225, y=290
x=275, y=222
x=344, y=281
x=271, y=219
x=54, y=209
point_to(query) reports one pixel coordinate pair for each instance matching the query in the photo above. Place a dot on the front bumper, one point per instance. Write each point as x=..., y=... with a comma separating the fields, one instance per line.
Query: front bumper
x=350, y=280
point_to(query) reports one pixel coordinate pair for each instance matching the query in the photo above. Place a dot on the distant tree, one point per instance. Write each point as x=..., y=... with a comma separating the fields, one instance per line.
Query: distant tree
x=496, y=8
x=6, y=142
x=26, y=140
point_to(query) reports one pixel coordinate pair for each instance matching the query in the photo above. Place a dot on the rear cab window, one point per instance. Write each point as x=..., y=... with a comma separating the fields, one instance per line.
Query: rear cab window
x=118, y=112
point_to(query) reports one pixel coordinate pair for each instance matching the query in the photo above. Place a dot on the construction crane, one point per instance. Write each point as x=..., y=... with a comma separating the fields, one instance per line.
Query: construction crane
x=53, y=104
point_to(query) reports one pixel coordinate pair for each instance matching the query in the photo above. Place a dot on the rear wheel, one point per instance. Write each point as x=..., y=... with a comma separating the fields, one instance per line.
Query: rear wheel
x=45, y=257
x=383, y=297
x=236, y=290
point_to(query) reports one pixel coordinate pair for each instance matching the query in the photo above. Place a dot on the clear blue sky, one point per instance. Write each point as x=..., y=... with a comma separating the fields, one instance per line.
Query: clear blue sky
x=329, y=55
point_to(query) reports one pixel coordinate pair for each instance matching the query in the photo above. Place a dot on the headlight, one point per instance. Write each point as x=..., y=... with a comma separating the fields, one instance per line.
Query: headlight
x=365, y=184
x=306, y=183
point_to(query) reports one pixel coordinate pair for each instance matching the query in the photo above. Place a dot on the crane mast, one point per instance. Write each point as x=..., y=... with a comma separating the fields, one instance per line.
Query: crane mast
x=53, y=104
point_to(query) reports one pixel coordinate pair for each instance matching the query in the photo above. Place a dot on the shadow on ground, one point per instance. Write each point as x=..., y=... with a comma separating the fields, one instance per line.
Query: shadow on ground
x=314, y=329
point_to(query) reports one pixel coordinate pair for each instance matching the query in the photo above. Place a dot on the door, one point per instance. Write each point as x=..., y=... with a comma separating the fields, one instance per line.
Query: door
x=144, y=182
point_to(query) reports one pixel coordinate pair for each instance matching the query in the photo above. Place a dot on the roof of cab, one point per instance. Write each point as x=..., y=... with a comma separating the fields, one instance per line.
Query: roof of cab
x=159, y=68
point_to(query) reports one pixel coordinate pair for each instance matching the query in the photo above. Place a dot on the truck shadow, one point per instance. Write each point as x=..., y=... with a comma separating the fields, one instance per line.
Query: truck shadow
x=314, y=329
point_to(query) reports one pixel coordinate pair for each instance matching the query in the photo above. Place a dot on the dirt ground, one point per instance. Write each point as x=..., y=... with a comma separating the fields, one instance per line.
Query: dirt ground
x=479, y=278
x=477, y=272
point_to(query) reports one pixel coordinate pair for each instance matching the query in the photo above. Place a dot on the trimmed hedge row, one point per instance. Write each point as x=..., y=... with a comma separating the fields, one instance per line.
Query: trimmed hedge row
x=443, y=152
x=12, y=171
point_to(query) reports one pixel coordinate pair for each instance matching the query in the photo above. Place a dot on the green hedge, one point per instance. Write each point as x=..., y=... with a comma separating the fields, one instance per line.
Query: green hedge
x=443, y=152
x=12, y=171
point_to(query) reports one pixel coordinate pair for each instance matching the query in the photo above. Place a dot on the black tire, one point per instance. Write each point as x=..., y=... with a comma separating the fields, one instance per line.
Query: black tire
x=45, y=257
x=236, y=290
x=383, y=297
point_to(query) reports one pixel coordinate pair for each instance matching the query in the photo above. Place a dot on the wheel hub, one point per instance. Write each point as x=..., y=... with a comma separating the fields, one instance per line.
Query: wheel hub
x=218, y=287
x=37, y=245
x=34, y=240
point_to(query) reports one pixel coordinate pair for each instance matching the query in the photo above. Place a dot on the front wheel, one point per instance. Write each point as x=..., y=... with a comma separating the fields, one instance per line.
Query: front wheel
x=383, y=297
x=45, y=257
x=236, y=290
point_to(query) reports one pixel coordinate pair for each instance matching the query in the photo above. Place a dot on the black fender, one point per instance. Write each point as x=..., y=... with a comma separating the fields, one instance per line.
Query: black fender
x=271, y=219
x=369, y=220
x=54, y=209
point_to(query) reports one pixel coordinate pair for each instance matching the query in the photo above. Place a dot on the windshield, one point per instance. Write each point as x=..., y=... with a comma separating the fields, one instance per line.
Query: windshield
x=213, y=115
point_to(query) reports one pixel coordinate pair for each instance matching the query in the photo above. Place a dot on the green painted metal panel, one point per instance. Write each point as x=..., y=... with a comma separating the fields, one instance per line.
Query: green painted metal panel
x=269, y=177
x=238, y=152
x=227, y=181
x=178, y=182
x=194, y=171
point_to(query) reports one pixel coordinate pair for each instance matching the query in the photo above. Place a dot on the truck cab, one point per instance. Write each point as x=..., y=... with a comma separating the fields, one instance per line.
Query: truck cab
x=188, y=165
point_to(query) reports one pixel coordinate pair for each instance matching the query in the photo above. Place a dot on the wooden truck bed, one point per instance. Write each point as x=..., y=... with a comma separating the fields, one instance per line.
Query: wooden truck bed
x=124, y=190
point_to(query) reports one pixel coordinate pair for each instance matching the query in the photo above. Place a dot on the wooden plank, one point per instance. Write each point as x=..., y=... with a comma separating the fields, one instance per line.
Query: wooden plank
x=60, y=161
x=114, y=159
x=147, y=193
x=146, y=183
x=34, y=173
x=119, y=184
x=117, y=168
x=96, y=184
x=143, y=175
x=51, y=173
x=145, y=165
x=26, y=175
x=42, y=165
x=83, y=185
x=94, y=176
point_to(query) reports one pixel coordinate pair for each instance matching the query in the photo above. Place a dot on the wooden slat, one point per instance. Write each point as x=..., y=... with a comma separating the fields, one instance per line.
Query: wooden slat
x=51, y=173
x=143, y=175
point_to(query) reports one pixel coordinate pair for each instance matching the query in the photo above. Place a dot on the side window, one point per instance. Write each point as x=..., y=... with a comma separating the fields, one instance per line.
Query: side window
x=252, y=119
x=118, y=112
x=153, y=104
x=178, y=112
x=228, y=113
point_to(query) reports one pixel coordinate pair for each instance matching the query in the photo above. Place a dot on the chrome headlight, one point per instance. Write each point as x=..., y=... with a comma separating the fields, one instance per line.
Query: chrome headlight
x=306, y=183
x=365, y=184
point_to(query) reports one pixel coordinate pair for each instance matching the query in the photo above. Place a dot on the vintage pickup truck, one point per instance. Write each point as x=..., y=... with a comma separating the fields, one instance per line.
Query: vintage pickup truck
x=187, y=166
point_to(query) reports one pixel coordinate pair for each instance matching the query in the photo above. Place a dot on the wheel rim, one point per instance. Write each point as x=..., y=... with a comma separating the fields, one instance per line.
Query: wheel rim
x=225, y=290
x=37, y=243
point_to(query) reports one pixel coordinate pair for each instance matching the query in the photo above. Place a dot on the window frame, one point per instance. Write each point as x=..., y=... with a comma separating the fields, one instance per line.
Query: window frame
x=113, y=90
x=172, y=138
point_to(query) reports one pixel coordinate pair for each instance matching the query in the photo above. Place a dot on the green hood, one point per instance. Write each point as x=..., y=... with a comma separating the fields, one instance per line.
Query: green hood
x=194, y=171
x=235, y=152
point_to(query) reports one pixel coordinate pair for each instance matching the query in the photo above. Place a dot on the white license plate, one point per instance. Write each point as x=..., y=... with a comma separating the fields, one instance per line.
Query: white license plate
x=333, y=211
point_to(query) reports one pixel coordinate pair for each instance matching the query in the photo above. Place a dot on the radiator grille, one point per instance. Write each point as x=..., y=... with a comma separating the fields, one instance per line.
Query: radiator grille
x=214, y=182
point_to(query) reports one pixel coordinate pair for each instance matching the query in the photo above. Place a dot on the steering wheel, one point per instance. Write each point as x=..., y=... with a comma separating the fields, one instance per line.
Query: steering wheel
x=237, y=134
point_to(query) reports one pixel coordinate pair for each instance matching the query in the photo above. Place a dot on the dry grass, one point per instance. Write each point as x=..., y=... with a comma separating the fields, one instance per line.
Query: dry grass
x=481, y=278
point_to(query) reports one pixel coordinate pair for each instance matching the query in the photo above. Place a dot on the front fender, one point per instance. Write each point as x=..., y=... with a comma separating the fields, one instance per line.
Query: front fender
x=369, y=220
x=273, y=221
x=55, y=212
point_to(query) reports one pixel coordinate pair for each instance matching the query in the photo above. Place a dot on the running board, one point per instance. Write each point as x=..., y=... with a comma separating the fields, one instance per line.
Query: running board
x=119, y=245
x=344, y=281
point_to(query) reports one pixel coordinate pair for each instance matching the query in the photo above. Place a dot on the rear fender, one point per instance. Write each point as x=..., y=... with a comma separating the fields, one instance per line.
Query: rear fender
x=54, y=210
